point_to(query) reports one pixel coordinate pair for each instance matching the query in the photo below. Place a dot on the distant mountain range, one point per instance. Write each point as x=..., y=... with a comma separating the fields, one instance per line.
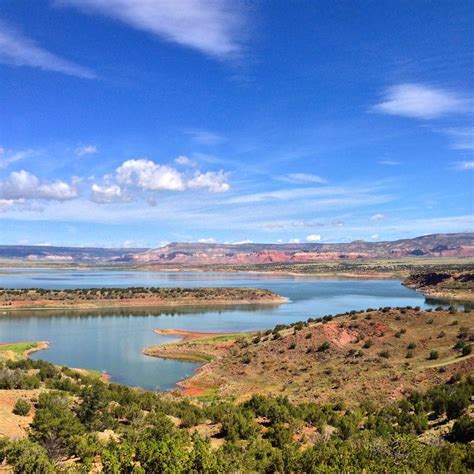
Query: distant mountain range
x=435, y=245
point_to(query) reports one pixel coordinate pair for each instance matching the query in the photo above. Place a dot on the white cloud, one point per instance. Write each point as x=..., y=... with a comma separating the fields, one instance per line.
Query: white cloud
x=313, y=238
x=209, y=240
x=23, y=185
x=150, y=176
x=462, y=138
x=7, y=157
x=375, y=237
x=17, y=50
x=185, y=161
x=303, y=178
x=294, y=241
x=127, y=244
x=421, y=101
x=213, y=181
x=465, y=165
x=86, y=150
x=204, y=137
x=212, y=27
x=107, y=194
x=242, y=242
x=389, y=162
x=57, y=190
x=6, y=204
x=377, y=217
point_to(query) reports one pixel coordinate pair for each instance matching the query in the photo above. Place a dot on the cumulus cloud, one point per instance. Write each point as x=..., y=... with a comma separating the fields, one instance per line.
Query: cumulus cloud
x=147, y=175
x=377, y=217
x=313, y=238
x=18, y=50
x=421, y=101
x=150, y=176
x=294, y=241
x=6, y=204
x=107, y=194
x=86, y=150
x=213, y=181
x=24, y=185
x=209, y=26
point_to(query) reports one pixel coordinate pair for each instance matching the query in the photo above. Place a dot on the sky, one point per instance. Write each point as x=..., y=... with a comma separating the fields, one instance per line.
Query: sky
x=133, y=123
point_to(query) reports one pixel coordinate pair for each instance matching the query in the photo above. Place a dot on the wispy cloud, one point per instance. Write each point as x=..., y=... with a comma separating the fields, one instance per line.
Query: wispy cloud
x=377, y=217
x=7, y=157
x=465, y=165
x=205, y=137
x=389, y=162
x=18, y=50
x=313, y=238
x=462, y=138
x=421, y=101
x=185, y=161
x=86, y=150
x=302, y=178
x=209, y=26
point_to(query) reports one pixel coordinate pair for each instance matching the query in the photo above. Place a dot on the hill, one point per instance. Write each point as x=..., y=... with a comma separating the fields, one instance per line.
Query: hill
x=56, y=419
x=436, y=245
x=72, y=254
x=379, y=355
x=443, y=284
x=189, y=254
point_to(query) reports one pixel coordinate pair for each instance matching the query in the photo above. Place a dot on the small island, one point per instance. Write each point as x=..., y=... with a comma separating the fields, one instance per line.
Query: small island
x=96, y=298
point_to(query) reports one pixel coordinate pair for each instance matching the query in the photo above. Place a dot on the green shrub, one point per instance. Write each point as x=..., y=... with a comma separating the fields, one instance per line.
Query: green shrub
x=463, y=430
x=433, y=355
x=323, y=347
x=466, y=350
x=22, y=407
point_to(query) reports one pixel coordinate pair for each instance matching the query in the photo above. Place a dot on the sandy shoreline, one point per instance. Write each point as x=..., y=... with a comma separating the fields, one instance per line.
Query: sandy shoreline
x=191, y=335
x=185, y=350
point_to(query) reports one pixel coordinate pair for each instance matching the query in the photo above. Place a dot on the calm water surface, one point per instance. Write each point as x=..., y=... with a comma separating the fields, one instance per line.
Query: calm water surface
x=112, y=340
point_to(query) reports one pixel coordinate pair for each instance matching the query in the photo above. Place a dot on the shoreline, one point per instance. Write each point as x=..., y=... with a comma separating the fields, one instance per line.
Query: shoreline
x=44, y=345
x=41, y=346
x=193, y=346
x=75, y=307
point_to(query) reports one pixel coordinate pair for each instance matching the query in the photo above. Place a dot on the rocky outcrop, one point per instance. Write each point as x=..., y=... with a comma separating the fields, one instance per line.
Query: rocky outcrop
x=437, y=245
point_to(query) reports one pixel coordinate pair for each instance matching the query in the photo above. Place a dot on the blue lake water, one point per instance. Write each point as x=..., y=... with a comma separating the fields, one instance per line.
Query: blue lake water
x=112, y=340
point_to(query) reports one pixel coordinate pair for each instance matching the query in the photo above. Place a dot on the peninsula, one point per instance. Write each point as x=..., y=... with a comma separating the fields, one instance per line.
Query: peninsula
x=94, y=298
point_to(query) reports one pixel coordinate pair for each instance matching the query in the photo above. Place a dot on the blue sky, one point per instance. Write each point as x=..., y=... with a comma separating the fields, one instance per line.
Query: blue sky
x=139, y=122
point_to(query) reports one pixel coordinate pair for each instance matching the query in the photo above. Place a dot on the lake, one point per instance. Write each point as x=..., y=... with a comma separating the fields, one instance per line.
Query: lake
x=112, y=340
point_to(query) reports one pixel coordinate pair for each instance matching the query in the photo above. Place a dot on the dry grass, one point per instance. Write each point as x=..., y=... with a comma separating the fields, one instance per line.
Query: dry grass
x=366, y=358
